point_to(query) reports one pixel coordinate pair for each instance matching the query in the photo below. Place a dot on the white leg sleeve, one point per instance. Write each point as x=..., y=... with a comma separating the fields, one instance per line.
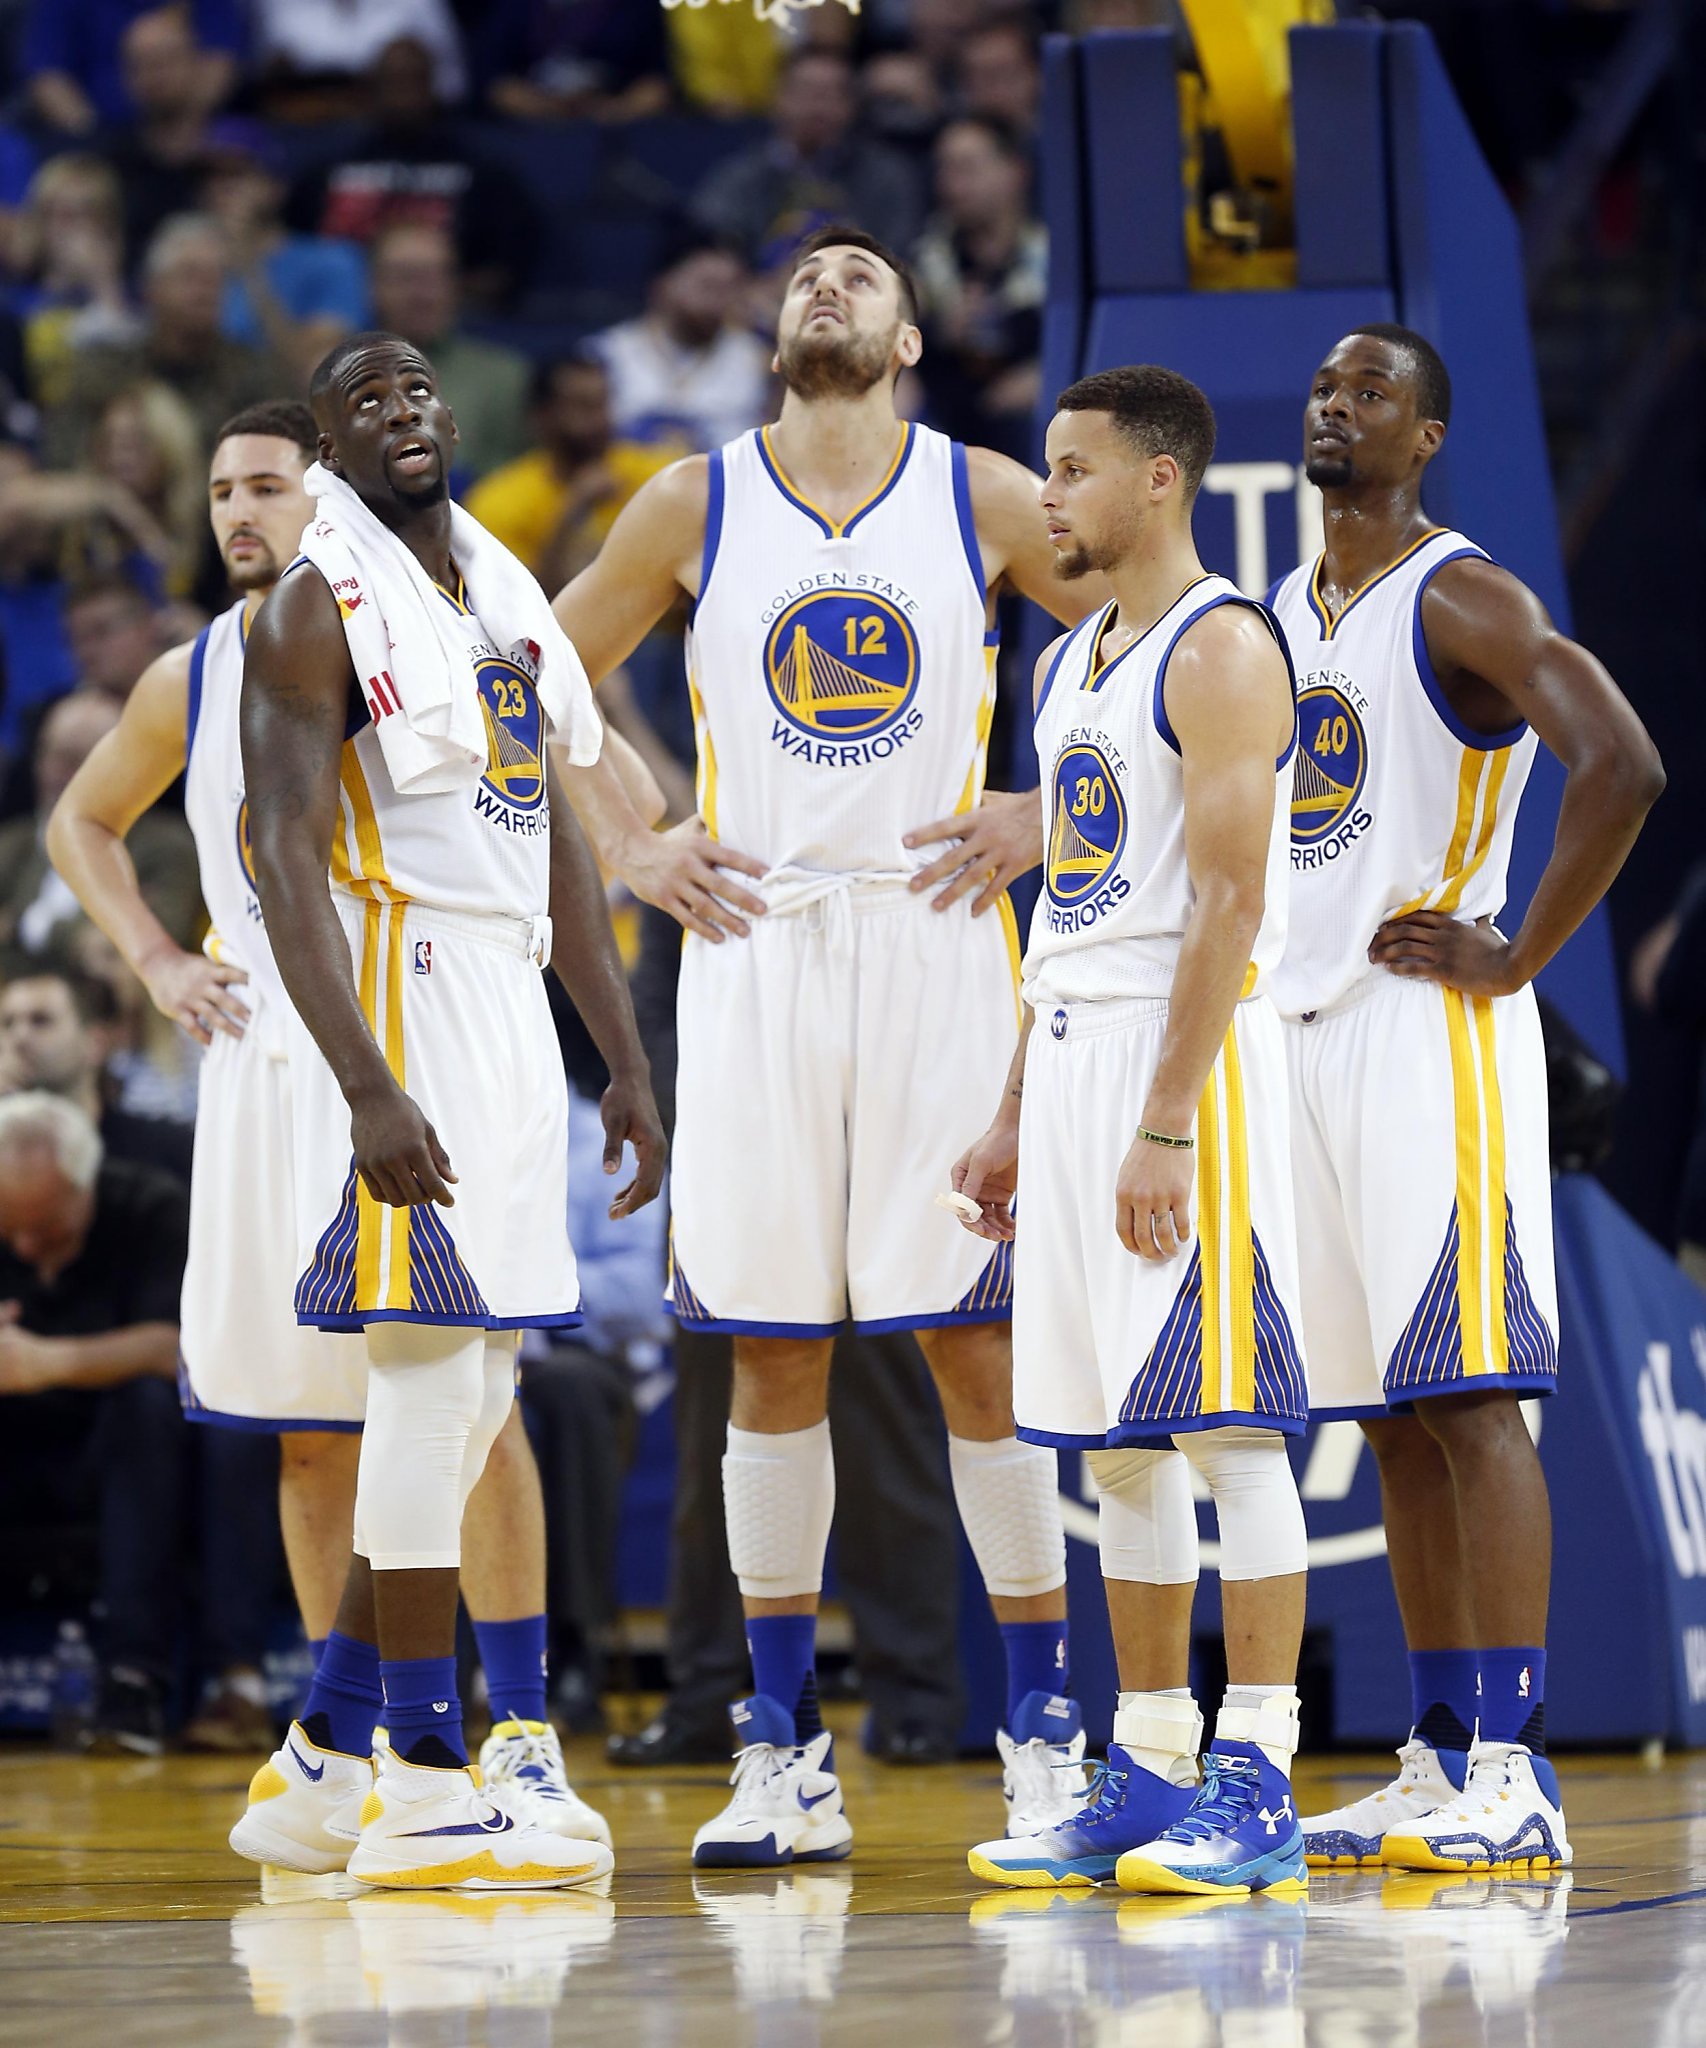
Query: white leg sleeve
x=497, y=1398
x=1255, y=1501
x=1147, y=1519
x=1008, y=1495
x=425, y=1390
x=778, y=1501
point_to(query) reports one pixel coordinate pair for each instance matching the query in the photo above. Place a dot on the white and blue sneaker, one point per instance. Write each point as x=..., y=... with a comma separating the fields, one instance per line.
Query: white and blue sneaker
x=1126, y=1805
x=1509, y=1816
x=527, y=1756
x=1354, y=1836
x=1240, y=1835
x=1043, y=1778
x=304, y=1808
x=423, y=1828
x=787, y=1799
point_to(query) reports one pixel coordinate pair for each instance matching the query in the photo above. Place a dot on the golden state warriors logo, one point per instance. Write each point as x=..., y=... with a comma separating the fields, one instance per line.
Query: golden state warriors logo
x=1088, y=828
x=245, y=851
x=515, y=749
x=842, y=664
x=1332, y=765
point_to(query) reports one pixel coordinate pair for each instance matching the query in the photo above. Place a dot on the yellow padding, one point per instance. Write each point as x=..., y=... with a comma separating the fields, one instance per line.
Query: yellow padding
x=372, y=1807
x=267, y=1783
x=482, y=1867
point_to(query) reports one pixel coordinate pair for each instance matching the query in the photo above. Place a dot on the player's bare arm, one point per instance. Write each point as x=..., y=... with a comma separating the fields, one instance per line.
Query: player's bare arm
x=989, y=848
x=1499, y=658
x=652, y=554
x=585, y=960
x=130, y=769
x=297, y=678
x=1228, y=698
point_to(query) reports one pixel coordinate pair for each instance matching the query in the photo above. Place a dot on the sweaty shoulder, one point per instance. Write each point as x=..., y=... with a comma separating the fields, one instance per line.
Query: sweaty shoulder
x=1228, y=658
x=1474, y=592
x=300, y=612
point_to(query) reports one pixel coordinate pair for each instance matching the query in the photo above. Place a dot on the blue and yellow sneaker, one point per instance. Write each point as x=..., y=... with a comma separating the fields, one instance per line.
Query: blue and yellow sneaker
x=1127, y=1805
x=1240, y=1835
x=1509, y=1816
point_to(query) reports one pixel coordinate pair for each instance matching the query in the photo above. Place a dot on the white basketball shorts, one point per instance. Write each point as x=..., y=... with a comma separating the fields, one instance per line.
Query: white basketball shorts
x=1110, y=1349
x=245, y=1362
x=457, y=1006
x=1424, y=1195
x=833, y=1067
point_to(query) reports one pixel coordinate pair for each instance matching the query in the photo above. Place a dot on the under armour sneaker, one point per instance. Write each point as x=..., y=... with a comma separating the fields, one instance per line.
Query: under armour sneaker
x=1509, y=1816
x=527, y=1756
x=787, y=1799
x=1239, y=1836
x=304, y=1809
x=1125, y=1805
x=1355, y=1835
x=427, y=1828
x=1042, y=1763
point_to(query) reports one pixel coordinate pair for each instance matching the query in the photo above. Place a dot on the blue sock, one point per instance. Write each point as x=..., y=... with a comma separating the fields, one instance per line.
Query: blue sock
x=1513, y=1694
x=344, y=1697
x=1444, y=1700
x=423, y=1711
x=1036, y=1660
x=512, y=1654
x=783, y=1648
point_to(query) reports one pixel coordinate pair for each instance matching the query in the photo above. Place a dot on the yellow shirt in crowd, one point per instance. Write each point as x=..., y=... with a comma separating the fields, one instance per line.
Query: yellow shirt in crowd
x=523, y=502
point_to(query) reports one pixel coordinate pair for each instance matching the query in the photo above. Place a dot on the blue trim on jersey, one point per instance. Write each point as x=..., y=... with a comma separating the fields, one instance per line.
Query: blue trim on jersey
x=1163, y=724
x=826, y=526
x=1158, y=1433
x=1054, y=666
x=441, y=1289
x=1482, y=742
x=738, y=1326
x=267, y=1425
x=563, y=1319
x=899, y=471
x=946, y=1319
x=1362, y=1411
x=1277, y=628
x=1060, y=1440
x=968, y=525
x=1428, y=1357
x=198, y=661
x=989, y=1299
x=714, y=494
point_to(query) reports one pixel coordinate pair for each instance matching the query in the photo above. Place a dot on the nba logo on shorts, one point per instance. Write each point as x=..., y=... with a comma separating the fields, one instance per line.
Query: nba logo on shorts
x=423, y=956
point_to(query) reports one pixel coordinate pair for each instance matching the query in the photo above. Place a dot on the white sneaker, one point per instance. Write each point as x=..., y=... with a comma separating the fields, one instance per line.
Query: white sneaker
x=1354, y=1835
x=787, y=1804
x=304, y=1807
x=422, y=1827
x=477, y=1954
x=1508, y=1816
x=526, y=1756
x=787, y=1941
x=1042, y=1764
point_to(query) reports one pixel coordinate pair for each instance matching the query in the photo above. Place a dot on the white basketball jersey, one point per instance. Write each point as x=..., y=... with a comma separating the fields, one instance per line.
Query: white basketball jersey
x=219, y=816
x=1396, y=804
x=1116, y=891
x=486, y=850
x=842, y=679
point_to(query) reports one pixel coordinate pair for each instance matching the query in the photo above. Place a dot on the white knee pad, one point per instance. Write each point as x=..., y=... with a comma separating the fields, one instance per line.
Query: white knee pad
x=425, y=1393
x=1255, y=1501
x=778, y=1502
x=497, y=1397
x=1008, y=1495
x=1147, y=1521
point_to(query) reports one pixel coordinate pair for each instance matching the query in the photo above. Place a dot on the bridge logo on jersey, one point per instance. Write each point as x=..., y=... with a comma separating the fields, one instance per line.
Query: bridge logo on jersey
x=842, y=665
x=1331, y=767
x=512, y=790
x=1087, y=831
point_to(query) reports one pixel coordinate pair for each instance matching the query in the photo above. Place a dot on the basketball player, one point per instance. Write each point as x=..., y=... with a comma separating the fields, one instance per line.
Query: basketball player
x=434, y=1062
x=841, y=672
x=246, y=1363
x=1426, y=678
x=1157, y=1262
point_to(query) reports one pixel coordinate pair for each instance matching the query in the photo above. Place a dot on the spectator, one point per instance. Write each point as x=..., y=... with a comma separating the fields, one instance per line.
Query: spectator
x=38, y=661
x=417, y=293
x=291, y=294
x=812, y=169
x=184, y=278
x=982, y=269
x=74, y=67
x=997, y=75
x=558, y=60
x=687, y=369
x=412, y=164
x=724, y=60
x=146, y=441
x=57, y=1032
x=901, y=98
x=336, y=42
x=554, y=506
x=114, y=632
x=91, y=1263
x=68, y=263
x=160, y=155
x=937, y=30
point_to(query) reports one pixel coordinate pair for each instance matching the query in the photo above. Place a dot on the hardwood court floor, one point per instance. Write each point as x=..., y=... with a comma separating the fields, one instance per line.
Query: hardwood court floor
x=123, y=1918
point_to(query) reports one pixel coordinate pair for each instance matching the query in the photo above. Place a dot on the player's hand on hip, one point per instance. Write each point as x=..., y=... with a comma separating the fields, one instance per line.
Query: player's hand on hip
x=988, y=849
x=1152, y=1199
x=397, y=1152
x=686, y=872
x=1428, y=946
x=200, y=995
x=989, y=1176
x=630, y=1114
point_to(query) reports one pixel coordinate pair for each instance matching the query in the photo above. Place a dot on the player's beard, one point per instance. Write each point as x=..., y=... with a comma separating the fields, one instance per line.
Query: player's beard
x=834, y=362
x=1083, y=558
x=1330, y=472
x=259, y=572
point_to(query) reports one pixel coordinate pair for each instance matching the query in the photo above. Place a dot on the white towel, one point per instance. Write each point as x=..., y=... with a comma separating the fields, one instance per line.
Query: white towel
x=418, y=658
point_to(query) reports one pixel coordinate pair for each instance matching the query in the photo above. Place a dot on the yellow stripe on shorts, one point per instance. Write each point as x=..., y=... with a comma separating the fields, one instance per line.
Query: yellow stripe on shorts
x=1478, y=1115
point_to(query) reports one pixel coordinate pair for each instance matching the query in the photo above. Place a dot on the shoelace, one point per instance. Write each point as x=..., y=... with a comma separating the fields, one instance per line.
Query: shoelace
x=1105, y=1792
x=756, y=1766
x=1230, y=1791
x=527, y=1757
